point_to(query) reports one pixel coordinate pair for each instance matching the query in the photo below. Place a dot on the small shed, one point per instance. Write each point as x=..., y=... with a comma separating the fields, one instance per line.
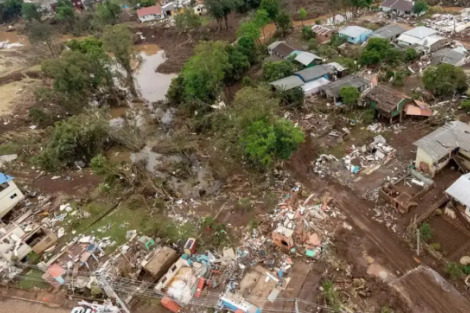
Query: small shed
x=418, y=108
x=460, y=192
x=323, y=33
x=161, y=262
x=388, y=102
x=308, y=59
x=282, y=50
x=355, y=34
x=389, y=32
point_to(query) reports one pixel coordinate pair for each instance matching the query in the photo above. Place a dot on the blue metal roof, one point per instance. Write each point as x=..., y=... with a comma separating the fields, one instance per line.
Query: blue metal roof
x=4, y=178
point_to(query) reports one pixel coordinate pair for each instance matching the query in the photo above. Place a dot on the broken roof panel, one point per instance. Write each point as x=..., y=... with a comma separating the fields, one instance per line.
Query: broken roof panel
x=323, y=29
x=313, y=72
x=306, y=58
x=4, y=178
x=447, y=56
x=388, y=31
x=460, y=190
x=387, y=99
x=287, y=83
x=440, y=142
x=400, y=5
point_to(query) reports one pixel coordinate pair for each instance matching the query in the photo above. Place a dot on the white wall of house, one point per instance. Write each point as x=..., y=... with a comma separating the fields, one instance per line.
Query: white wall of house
x=149, y=18
x=10, y=195
x=11, y=244
x=423, y=157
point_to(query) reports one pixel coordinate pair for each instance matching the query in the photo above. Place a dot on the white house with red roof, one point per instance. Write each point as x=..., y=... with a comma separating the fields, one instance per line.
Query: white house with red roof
x=150, y=13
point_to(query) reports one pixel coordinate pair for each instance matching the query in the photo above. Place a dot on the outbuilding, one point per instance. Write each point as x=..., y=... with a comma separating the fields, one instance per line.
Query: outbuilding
x=323, y=33
x=389, y=103
x=397, y=7
x=423, y=39
x=389, y=32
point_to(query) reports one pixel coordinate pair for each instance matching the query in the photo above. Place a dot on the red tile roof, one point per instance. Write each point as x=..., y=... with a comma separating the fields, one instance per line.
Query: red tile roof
x=153, y=10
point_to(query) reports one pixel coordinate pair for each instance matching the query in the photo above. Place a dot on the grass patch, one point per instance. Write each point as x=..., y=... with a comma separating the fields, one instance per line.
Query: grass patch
x=337, y=150
x=9, y=148
x=32, y=280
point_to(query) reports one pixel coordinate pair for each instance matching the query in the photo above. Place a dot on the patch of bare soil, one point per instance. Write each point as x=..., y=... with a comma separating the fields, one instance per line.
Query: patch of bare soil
x=445, y=232
x=179, y=47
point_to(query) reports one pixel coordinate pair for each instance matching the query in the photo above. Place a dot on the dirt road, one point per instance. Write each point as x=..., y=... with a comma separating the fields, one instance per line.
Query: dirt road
x=378, y=244
x=20, y=306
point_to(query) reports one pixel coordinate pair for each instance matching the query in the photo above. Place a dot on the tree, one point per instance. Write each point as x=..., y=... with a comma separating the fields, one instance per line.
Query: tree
x=204, y=72
x=79, y=138
x=262, y=19
x=348, y=63
x=117, y=39
x=238, y=64
x=220, y=9
x=146, y=3
x=107, y=13
x=276, y=70
x=307, y=33
x=273, y=7
x=89, y=45
x=77, y=76
x=312, y=44
x=350, y=95
x=263, y=143
x=292, y=98
x=394, y=56
x=465, y=105
x=425, y=232
x=337, y=40
x=249, y=30
x=303, y=15
x=378, y=44
x=11, y=9
x=247, y=46
x=411, y=54
x=445, y=80
x=370, y=57
x=187, y=20
x=284, y=23
x=420, y=6
x=64, y=10
x=42, y=34
x=31, y=11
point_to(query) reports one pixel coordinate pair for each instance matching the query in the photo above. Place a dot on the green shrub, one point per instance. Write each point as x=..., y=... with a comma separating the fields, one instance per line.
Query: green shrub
x=435, y=246
x=454, y=270
x=244, y=204
x=312, y=44
x=40, y=117
x=307, y=33
x=425, y=232
x=466, y=105
x=368, y=117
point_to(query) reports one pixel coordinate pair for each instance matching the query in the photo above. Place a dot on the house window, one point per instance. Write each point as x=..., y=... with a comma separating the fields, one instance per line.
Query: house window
x=3, y=186
x=13, y=196
x=173, y=268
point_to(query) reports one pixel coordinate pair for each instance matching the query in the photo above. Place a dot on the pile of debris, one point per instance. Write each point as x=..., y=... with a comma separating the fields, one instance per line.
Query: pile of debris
x=380, y=128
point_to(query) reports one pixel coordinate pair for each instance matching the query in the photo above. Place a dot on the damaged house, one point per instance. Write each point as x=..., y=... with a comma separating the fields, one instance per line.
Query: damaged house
x=10, y=194
x=436, y=150
x=333, y=90
x=323, y=33
x=459, y=192
x=453, y=57
x=397, y=7
x=389, y=103
x=423, y=39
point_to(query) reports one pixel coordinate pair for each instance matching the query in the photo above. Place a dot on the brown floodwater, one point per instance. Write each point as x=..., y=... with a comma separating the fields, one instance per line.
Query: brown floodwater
x=118, y=112
x=149, y=49
x=152, y=85
x=13, y=37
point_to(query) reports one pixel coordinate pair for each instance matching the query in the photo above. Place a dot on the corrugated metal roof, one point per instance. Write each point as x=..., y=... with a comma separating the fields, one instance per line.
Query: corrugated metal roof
x=306, y=58
x=288, y=83
x=315, y=84
x=336, y=66
x=354, y=31
x=387, y=99
x=447, y=56
x=460, y=190
x=440, y=142
x=420, y=32
x=388, y=31
x=322, y=29
x=275, y=44
x=5, y=178
x=333, y=89
x=313, y=72
x=400, y=5
x=283, y=50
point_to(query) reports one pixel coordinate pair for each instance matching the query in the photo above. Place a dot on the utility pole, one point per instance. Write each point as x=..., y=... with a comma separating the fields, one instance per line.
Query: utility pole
x=296, y=307
x=111, y=293
x=417, y=235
